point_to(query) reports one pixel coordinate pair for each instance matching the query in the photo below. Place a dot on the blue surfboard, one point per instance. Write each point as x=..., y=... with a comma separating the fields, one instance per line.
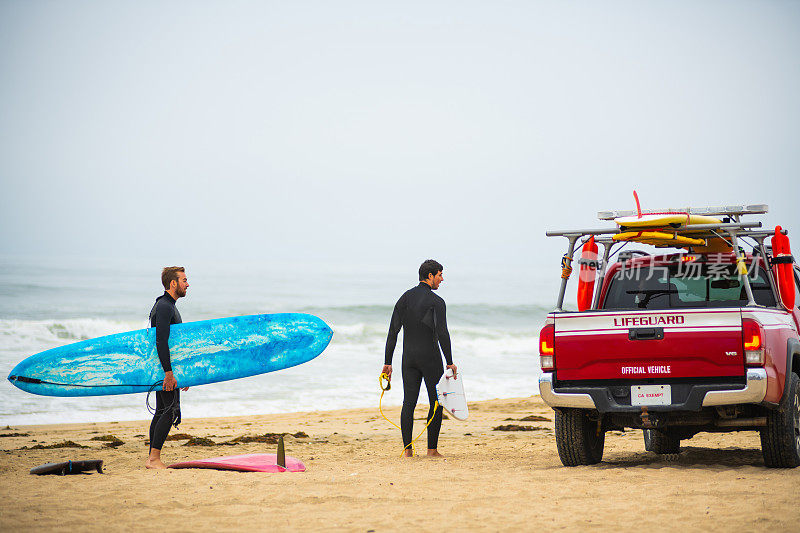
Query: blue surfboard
x=202, y=352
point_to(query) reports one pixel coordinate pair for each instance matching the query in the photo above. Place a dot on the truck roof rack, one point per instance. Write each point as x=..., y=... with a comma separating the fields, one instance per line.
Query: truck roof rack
x=724, y=210
x=741, y=228
x=729, y=230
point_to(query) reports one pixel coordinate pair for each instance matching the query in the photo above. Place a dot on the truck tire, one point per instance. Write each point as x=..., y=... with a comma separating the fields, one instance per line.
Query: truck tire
x=780, y=440
x=577, y=438
x=661, y=442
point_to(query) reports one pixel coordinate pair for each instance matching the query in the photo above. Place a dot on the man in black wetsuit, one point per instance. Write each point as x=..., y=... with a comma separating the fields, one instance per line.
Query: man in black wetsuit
x=163, y=314
x=422, y=315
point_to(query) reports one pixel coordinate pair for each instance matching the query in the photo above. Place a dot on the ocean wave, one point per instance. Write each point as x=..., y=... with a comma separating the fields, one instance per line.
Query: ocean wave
x=45, y=333
x=471, y=314
x=352, y=330
x=18, y=334
x=366, y=331
x=497, y=362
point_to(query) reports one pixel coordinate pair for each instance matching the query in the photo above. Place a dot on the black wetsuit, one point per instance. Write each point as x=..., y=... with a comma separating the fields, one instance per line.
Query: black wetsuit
x=422, y=315
x=168, y=403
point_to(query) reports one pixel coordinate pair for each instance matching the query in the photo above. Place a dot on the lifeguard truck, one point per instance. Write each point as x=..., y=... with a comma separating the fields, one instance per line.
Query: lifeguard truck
x=701, y=339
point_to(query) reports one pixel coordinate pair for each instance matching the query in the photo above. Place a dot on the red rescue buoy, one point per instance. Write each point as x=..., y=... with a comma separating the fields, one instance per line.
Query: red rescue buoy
x=782, y=267
x=588, y=273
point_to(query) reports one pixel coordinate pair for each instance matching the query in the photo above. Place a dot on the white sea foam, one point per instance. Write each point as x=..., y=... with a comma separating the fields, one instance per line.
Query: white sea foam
x=20, y=334
x=44, y=304
x=351, y=330
x=496, y=363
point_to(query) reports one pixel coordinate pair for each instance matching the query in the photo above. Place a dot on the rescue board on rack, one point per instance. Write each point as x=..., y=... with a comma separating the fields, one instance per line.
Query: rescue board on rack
x=450, y=393
x=658, y=238
x=665, y=219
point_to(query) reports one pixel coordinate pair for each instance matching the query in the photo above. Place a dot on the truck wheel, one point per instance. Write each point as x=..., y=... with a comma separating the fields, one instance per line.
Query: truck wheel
x=577, y=438
x=780, y=440
x=661, y=442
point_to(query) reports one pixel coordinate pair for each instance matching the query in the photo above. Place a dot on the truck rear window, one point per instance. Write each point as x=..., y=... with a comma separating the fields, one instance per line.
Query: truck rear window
x=677, y=286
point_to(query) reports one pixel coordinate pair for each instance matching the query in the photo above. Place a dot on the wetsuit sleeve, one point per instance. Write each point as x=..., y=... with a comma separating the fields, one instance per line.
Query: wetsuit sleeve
x=441, y=331
x=394, y=328
x=162, y=319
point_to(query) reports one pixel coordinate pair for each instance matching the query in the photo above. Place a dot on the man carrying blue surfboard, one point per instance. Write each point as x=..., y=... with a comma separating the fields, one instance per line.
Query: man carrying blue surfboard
x=422, y=315
x=164, y=314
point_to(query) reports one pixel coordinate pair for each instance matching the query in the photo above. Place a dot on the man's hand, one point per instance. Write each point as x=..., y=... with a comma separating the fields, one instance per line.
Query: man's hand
x=453, y=368
x=387, y=369
x=169, y=381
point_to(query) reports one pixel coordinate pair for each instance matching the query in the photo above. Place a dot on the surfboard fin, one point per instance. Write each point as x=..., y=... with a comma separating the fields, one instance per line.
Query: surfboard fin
x=281, y=460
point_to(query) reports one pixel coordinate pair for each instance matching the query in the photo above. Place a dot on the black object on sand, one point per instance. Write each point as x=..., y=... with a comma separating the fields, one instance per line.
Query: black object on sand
x=281, y=458
x=69, y=467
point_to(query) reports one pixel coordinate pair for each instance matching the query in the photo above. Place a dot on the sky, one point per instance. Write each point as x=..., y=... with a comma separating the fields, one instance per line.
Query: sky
x=382, y=132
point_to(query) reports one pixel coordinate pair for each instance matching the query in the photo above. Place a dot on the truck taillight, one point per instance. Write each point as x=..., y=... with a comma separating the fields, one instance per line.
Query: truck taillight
x=547, y=347
x=753, y=342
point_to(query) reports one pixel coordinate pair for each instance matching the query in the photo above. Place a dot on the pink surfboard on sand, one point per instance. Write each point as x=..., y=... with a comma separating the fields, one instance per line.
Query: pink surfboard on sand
x=254, y=462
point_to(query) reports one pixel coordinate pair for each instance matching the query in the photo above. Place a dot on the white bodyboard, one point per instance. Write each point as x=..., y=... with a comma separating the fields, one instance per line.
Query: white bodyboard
x=450, y=393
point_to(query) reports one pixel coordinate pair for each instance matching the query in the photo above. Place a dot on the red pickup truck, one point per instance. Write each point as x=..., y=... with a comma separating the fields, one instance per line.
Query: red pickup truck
x=704, y=339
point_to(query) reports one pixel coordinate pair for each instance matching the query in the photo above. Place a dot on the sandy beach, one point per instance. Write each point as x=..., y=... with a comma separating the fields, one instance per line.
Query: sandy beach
x=494, y=480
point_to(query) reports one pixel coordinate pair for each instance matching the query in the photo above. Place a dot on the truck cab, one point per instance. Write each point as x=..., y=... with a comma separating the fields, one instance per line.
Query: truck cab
x=678, y=343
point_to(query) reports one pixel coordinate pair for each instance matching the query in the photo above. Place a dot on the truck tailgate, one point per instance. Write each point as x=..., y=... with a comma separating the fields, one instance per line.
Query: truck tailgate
x=639, y=345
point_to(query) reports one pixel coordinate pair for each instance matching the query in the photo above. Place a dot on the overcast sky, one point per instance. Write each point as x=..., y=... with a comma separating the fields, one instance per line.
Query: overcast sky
x=378, y=131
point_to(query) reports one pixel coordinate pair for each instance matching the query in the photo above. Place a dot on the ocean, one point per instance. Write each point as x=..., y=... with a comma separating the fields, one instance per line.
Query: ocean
x=494, y=315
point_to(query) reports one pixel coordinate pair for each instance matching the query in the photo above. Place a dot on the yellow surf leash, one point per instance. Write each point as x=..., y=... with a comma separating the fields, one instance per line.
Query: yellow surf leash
x=383, y=377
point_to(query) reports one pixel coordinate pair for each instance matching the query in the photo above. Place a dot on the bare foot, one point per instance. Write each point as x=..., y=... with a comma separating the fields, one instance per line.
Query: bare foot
x=434, y=453
x=408, y=453
x=154, y=464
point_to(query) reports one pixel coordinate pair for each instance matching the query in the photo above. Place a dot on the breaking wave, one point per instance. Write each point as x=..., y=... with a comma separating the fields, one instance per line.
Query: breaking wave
x=498, y=359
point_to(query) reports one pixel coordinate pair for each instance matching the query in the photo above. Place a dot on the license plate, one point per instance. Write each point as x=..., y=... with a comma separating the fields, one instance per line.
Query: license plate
x=651, y=395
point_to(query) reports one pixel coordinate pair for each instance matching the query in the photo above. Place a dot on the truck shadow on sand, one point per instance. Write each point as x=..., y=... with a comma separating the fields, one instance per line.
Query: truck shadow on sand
x=690, y=456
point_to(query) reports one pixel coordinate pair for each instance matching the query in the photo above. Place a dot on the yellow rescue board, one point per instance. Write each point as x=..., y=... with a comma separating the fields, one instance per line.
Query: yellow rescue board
x=665, y=219
x=658, y=238
x=714, y=245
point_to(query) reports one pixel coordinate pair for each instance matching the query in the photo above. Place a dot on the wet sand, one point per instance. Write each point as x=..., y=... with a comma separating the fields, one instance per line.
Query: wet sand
x=355, y=480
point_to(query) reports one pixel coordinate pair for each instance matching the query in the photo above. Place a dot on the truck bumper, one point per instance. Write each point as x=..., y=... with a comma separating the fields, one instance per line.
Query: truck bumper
x=696, y=397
